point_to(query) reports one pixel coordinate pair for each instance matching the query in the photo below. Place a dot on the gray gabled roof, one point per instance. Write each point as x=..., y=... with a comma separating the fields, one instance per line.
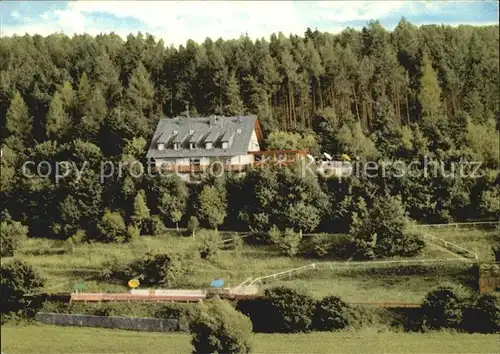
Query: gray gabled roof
x=212, y=129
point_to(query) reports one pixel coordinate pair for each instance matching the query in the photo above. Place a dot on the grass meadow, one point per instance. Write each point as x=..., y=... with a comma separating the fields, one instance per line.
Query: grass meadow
x=24, y=339
x=63, y=269
x=479, y=240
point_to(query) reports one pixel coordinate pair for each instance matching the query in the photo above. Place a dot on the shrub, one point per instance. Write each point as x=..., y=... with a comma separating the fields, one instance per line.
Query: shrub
x=237, y=243
x=292, y=310
x=288, y=241
x=133, y=232
x=17, y=280
x=320, y=245
x=331, y=314
x=411, y=244
x=483, y=315
x=193, y=225
x=79, y=237
x=112, y=227
x=261, y=313
x=158, y=269
x=442, y=308
x=11, y=235
x=274, y=234
x=156, y=226
x=114, y=270
x=336, y=246
x=184, y=313
x=153, y=269
x=69, y=244
x=219, y=328
x=211, y=244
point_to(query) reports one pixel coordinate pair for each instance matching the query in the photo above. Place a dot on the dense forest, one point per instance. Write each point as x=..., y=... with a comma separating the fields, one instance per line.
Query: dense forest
x=415, y=92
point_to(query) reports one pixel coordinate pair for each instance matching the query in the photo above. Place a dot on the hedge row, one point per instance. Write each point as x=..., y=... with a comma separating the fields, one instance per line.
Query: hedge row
x=289, y=310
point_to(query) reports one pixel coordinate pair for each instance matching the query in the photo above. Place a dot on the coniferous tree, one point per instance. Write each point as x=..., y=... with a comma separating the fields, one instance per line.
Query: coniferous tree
x=58, y=123
x=19, y=123
x=141, y=210
x=234, y=104
x=430, y=92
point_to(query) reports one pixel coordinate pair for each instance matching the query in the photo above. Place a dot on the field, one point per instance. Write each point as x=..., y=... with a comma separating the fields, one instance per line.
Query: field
x=50, y=339
x=479, y=240
x=62, y=269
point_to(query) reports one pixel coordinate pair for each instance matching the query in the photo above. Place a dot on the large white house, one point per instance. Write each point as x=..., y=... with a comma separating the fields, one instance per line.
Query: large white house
x=188, y=146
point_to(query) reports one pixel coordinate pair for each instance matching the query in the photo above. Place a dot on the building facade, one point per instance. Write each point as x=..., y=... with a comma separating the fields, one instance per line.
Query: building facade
x=190, y=146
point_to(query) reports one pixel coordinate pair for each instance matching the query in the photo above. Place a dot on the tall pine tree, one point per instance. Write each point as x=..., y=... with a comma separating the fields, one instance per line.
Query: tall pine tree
x=430, y=92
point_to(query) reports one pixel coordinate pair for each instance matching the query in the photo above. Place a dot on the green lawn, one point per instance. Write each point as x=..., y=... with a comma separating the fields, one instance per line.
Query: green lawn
x=479, y=240
x=62, y=270
x=51, y=339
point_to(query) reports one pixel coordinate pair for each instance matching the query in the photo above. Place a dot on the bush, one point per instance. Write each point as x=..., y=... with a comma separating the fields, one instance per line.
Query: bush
x=320, y=245
x=153, y=269
x=483, y=316
x=335, y=246
x=11, y=235
x=156, y=226
x=184, y=313
x=261, y=313
x=288, y=241
x=112, y=227
x=219, y=328
x=158, y=269
x=17, y=280
x=211, y=244
x=331, y=314
x=79, y=237
x=193, y=225
x=237, y=243
x=133, y=232
x=442, y=308
x=292, y=310
x=411, y=244
x=69, y=244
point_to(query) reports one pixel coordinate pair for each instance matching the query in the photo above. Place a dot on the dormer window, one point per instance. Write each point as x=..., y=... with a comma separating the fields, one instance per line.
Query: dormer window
x=176, y=146
x=160, y=146
x=192, y=146
x=225, y=144
x=208, y=145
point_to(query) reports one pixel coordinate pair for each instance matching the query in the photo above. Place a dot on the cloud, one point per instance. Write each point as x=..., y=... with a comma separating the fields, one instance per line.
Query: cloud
x=341, y=11
x=177, y=21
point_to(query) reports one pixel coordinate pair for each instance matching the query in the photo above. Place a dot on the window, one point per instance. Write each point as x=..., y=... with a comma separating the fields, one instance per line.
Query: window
x=161, y=146
x=225, y=144
x=194, y=161
x=192, y=146
x=208, y=145
x=176, y=146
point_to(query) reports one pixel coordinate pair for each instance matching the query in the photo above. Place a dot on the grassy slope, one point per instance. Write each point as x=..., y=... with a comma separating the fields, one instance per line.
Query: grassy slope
x=476, y=240
x=51, y=339
x=63, y=270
